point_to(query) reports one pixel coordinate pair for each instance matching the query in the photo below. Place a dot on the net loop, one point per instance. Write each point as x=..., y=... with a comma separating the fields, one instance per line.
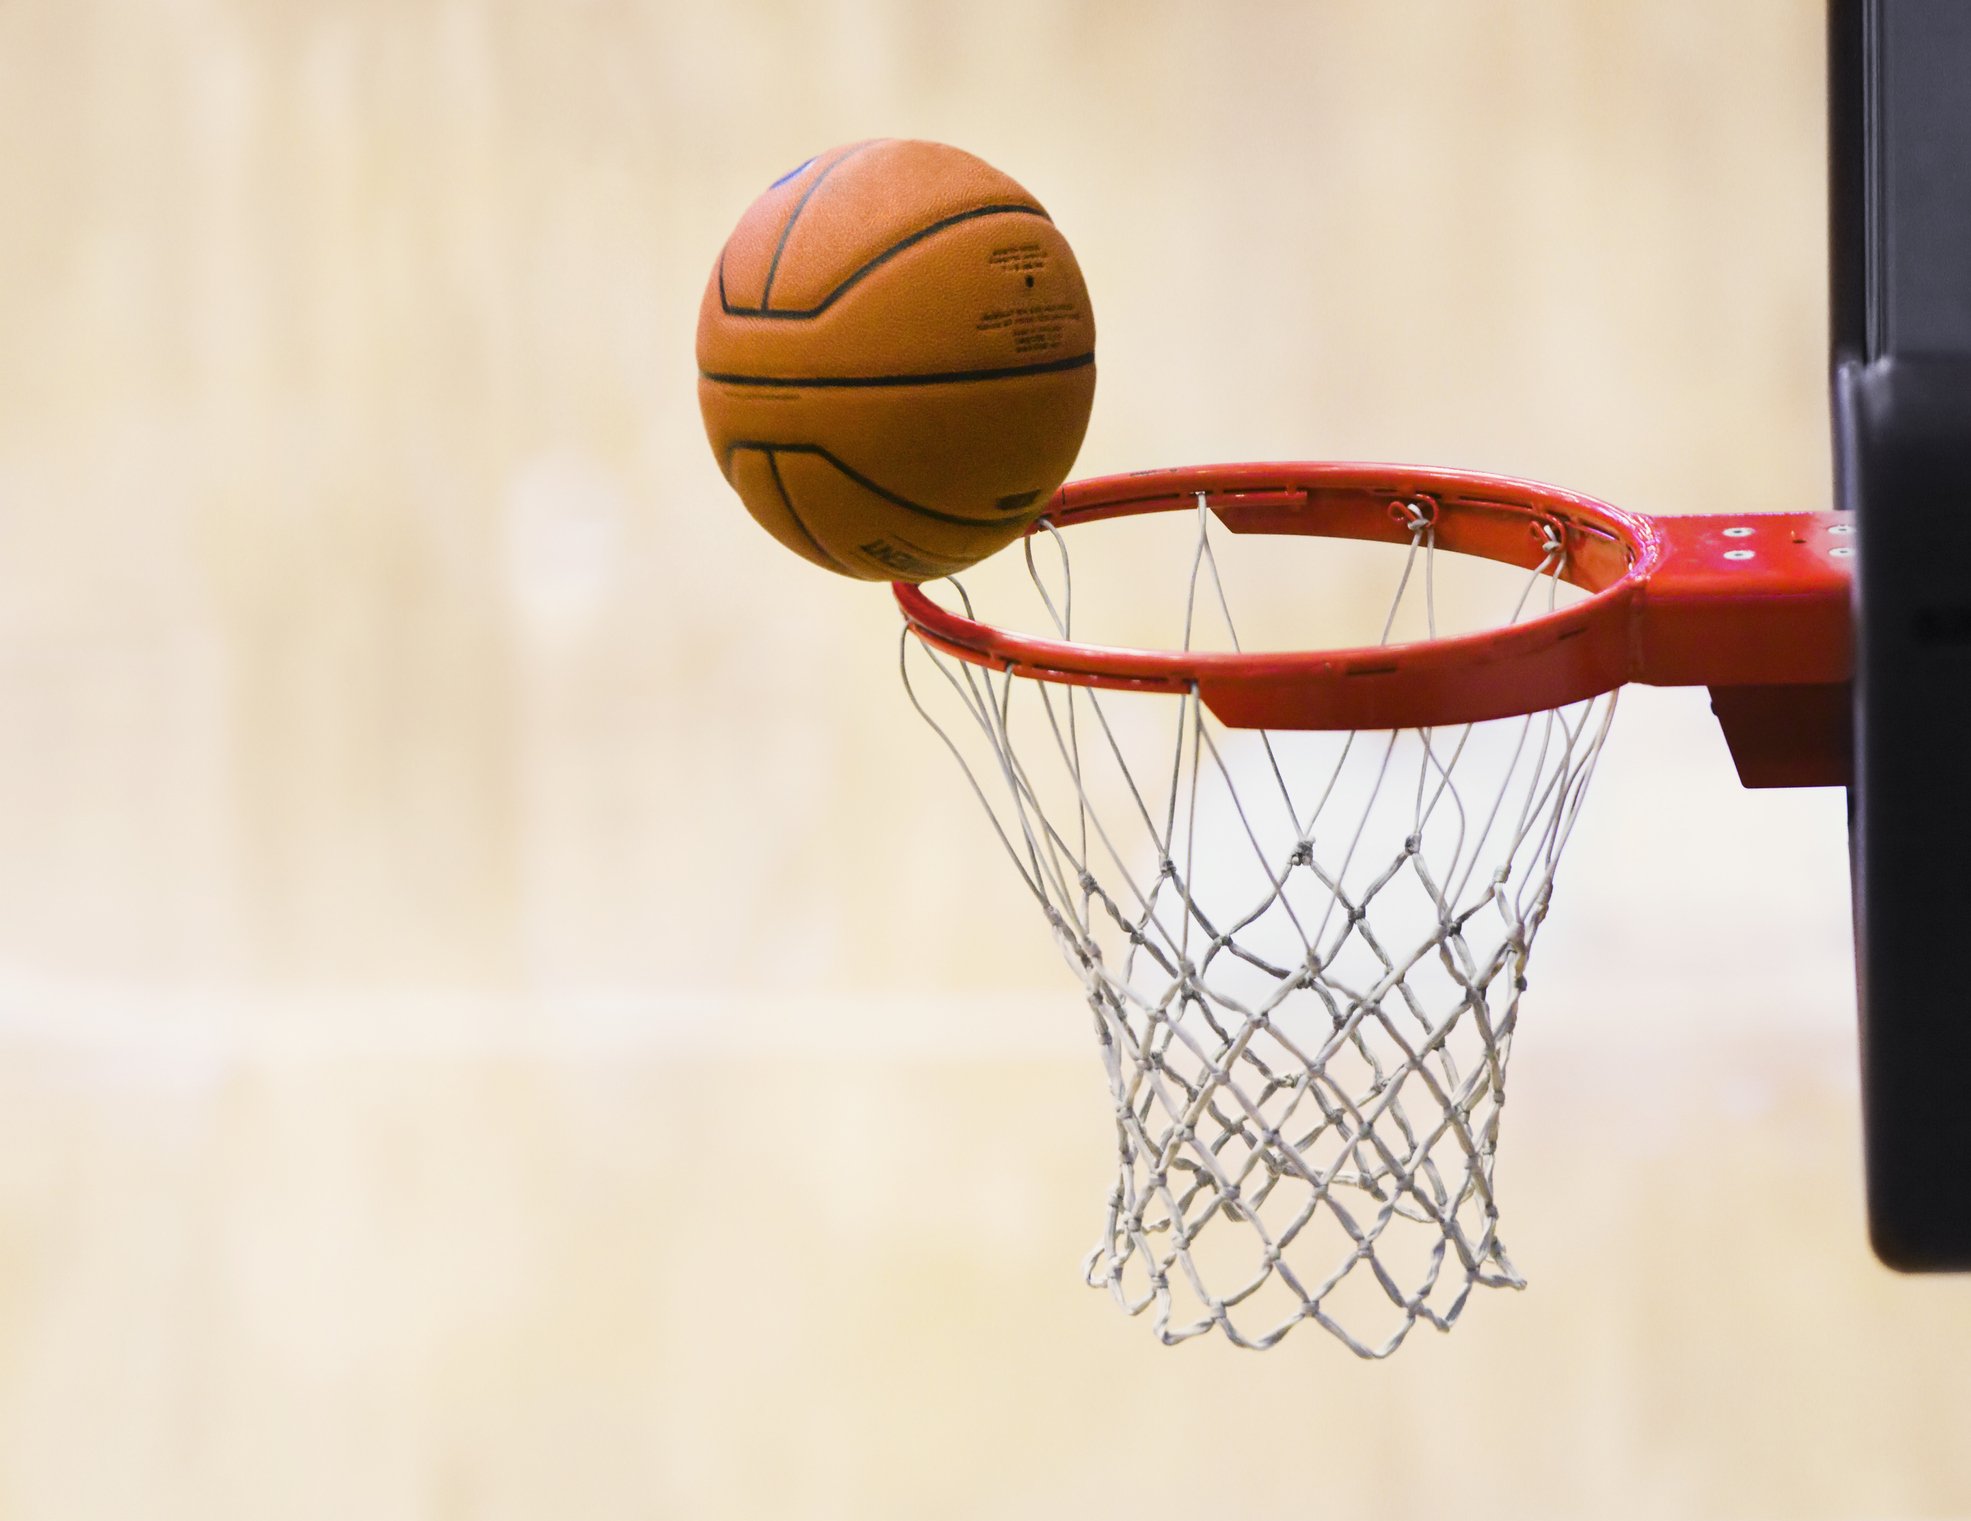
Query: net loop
x=1415, y=513
x=1303, y=953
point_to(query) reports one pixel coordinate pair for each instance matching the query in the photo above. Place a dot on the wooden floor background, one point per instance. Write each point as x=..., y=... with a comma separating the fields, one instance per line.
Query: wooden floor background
x=503, y=1010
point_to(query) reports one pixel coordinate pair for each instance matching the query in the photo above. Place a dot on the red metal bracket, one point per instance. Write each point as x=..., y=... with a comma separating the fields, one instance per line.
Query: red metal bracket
x=1757, y=608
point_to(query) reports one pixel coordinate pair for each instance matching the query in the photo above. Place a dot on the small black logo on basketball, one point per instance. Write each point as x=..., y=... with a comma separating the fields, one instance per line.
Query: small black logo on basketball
x=883, y=552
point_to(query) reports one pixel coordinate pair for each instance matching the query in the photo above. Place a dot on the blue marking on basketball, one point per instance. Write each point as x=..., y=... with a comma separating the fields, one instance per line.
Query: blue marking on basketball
x=791, y=173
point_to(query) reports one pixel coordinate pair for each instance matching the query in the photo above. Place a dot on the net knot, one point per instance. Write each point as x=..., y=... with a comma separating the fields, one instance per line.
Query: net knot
x=1415, y=513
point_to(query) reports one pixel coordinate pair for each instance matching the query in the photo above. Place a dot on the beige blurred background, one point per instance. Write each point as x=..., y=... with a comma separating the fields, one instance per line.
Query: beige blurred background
x=504, y=1012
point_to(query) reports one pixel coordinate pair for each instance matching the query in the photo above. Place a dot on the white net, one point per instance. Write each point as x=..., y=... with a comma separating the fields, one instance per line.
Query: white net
x=1304, y=953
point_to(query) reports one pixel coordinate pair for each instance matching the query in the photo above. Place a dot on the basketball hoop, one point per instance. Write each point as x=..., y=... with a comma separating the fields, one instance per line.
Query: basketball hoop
x=1301, y=889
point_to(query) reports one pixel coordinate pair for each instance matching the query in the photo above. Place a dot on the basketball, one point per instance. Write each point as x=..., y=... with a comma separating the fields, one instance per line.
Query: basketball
x=896, y=359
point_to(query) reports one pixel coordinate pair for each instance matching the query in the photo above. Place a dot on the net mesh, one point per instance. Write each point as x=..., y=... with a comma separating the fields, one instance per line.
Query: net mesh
x=1304, y=954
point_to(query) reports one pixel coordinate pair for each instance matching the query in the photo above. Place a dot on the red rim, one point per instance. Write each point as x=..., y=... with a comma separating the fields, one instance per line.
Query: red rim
x=1717, y=600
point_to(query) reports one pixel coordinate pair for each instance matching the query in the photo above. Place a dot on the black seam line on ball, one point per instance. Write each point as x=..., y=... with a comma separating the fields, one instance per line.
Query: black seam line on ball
x=857, y=382
x=787, y=501
x=792, y=314
x=726, y=305
x=771, y=448
x=786, y=232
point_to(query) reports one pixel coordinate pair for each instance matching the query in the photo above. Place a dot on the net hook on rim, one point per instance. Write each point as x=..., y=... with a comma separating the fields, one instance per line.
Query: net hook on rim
x=1415, y=513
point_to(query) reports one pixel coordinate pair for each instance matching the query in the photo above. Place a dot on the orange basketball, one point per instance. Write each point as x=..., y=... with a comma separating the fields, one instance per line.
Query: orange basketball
x=896, y=359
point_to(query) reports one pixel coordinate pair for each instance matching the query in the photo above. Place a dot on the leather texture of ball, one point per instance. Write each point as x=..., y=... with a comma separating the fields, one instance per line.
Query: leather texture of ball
x=896, y=359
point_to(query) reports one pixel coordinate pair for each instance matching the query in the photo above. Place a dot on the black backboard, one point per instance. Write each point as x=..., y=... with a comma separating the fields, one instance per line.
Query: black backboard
x=1899, y=140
